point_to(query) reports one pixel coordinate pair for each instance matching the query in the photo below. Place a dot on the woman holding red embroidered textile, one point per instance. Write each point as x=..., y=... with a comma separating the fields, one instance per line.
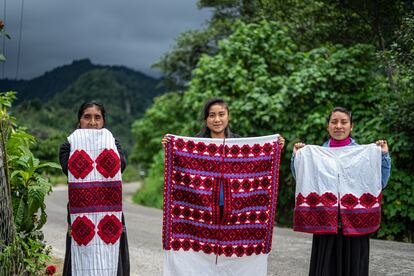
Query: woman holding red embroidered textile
x=91, y=118
x=216, y=121
x=341, y=254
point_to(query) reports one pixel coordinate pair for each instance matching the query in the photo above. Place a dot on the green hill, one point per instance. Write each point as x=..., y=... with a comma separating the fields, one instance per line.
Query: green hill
x=52, y=115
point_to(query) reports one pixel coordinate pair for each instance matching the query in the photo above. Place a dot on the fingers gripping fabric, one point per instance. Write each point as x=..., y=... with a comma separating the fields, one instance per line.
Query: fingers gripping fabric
x=332, y=180
x=95, y=202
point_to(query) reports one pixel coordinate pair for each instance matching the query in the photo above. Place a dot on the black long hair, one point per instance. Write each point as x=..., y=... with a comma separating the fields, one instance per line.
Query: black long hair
x=205, y=131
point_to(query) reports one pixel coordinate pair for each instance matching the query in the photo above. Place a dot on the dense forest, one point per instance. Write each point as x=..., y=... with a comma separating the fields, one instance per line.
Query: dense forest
x=282, y=66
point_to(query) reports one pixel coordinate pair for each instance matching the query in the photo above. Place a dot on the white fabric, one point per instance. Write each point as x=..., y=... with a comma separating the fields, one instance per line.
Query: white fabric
x=352, y=169
x=190, y=263
x=96, y=258
x=93, y=141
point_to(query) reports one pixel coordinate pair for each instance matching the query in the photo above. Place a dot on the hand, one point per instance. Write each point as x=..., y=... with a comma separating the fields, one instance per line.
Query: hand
x=383, y=144
x=297, y=147
x=166, y=140
x=281, y=141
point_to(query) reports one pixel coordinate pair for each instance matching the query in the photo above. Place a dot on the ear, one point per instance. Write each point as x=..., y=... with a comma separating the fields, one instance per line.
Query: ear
x=352, y=126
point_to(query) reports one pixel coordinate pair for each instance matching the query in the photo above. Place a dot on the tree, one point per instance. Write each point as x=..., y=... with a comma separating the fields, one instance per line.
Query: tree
x=272, y=86
x=311, y=24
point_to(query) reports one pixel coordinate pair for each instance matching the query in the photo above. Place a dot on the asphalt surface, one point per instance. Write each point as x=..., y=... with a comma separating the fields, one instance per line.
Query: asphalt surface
x=289, y=256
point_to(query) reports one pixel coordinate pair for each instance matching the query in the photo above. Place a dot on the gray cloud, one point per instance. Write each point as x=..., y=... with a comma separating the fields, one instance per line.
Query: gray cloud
x=134, y=33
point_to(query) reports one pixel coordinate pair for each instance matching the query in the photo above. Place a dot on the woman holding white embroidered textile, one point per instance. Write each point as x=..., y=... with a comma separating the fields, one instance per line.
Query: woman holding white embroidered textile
x=216, y=125
x=341, y=254
x=91, y=116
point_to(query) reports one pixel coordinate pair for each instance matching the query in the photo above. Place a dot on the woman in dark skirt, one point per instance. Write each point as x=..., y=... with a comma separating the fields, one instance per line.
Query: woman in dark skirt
x=91, y=115
x=336, y=254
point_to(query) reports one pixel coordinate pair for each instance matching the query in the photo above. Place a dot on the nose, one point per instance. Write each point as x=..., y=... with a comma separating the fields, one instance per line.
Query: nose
x=93, y=121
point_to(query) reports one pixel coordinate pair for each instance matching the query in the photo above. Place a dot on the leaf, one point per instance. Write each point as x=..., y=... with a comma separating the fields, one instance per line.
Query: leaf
x=50, y=165
x=20, y=215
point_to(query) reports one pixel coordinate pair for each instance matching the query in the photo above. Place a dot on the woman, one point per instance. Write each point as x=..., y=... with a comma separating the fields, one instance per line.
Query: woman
x=91, y=115
x=216, y=125
x=336, y=254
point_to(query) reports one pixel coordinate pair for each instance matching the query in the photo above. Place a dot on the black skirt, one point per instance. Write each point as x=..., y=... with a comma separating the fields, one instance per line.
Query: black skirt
x=339, y=255
x=123, y=260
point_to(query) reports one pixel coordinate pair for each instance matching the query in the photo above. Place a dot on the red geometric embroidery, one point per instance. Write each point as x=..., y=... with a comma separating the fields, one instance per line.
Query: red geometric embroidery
x=324, y=219
x=329, y=199
x=192, y=198
x=367, y=200
x=194, y=172
x=251, y=201
x=300, y=199
x=95, y=197
x=110, y=229
x=360, y=221
x=80, y=164
x=83, y=230
x=313, y=199
x=316, y=220
x=108, y=163
x=245, y=150
x=349, y=201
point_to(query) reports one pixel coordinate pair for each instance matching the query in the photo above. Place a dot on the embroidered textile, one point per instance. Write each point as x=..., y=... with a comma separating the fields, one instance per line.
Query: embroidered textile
x=194, y=169
x=95, y=202
x=345, y=179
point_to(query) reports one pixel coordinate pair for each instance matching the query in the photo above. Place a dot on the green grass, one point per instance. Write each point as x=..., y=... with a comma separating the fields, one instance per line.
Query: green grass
x=151, y=193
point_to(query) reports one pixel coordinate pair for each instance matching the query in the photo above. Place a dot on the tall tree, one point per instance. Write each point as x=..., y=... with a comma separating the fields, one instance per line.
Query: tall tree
x=311, y=23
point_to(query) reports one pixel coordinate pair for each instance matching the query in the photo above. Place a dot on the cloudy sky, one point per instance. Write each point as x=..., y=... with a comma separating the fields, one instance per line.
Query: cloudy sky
x=134, y=33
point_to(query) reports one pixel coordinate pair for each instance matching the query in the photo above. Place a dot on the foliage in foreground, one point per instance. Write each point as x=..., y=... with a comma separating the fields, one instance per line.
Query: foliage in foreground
x=27, y=253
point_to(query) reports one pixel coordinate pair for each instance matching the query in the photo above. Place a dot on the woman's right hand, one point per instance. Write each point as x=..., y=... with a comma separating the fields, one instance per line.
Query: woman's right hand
x=166, y=140
x=297, y=146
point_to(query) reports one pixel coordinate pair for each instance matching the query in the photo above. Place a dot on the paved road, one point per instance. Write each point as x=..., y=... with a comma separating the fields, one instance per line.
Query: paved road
x=289, y=256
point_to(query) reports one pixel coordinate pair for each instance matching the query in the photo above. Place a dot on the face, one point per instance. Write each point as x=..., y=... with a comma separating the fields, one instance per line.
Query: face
x=339, y=126
x=217, y=120
x=91, y=118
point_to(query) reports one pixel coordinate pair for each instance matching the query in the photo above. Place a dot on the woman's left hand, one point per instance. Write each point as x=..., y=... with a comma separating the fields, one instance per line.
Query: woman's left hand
x=281, y=141
x=383, y=144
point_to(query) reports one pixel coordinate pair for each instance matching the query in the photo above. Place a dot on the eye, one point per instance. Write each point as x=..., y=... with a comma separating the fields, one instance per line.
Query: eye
x=98, y=118
x=87, y=116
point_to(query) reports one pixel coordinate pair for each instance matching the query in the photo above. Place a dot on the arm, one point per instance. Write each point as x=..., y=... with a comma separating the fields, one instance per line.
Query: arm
x=121, y=155
x=64, y=152
x=385, y=169
x=385, y=162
